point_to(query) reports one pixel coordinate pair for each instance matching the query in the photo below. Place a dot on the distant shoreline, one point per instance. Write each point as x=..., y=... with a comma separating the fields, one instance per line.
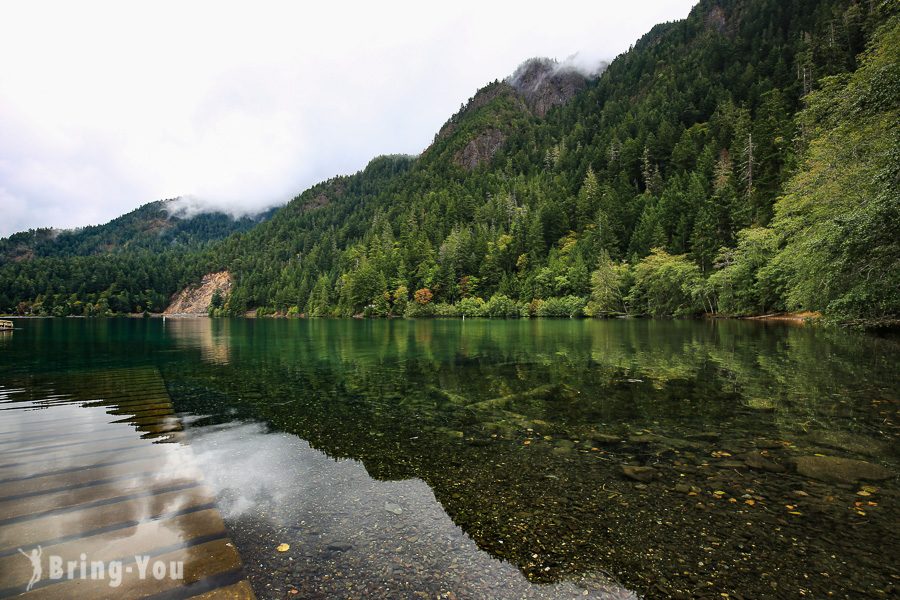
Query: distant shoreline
x=800, y=318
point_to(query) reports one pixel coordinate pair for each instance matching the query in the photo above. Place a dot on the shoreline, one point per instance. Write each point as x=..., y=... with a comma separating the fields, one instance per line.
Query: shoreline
x=801, y=318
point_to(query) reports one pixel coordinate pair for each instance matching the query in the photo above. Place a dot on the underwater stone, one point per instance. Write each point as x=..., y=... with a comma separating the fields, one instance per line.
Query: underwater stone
x=840, y=470
x=642, y=474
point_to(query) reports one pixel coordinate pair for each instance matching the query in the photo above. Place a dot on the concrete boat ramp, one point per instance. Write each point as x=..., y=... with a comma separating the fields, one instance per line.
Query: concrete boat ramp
x=99, y=497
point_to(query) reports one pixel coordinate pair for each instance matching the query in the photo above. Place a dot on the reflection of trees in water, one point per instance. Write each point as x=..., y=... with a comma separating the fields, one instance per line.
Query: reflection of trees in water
x=452, y=402
x=719, y=370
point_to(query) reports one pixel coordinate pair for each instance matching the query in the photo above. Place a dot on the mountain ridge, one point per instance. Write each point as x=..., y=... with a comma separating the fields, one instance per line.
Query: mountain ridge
x=153, y=225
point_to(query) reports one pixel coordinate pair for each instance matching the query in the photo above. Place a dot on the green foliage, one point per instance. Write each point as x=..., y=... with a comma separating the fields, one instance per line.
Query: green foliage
x=364, y=286
x=399, y=300
x=415, y=310
x=471, y=307
x=666, y=285
x=217, y=301
x=319, y=298
x=609, y=287
x=839, y=218
x=502, y=306
x=443, y=309
x=151, y=227
x=746, y=282
x=566, y=306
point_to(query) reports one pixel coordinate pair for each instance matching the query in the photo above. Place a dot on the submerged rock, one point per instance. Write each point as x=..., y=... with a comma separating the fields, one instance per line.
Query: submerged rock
x=757, y=461
x=393, y=508
x=768, y=444
x=541, y=393
x=731, y=464
x=568, y=444
x=840, y=470
x=652, y=438
x=848, y=442
x=705, y=436
x=642, y=474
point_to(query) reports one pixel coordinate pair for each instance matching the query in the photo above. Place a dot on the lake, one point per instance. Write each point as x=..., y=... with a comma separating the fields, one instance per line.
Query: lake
x=488, y=459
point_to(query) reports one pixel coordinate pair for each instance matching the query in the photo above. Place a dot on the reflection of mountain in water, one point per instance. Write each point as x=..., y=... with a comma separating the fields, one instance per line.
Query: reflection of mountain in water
x=521, y=430
x=193, y=332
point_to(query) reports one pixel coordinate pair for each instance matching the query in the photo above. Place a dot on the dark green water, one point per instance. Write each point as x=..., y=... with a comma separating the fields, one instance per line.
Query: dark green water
x=485, y=458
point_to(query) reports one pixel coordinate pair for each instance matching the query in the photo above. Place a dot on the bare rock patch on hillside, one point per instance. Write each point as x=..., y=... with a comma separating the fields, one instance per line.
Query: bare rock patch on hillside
x=480, y=149
x=194, y=300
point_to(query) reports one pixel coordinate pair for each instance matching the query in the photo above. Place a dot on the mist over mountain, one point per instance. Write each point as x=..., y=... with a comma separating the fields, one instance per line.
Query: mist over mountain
x=241, y=110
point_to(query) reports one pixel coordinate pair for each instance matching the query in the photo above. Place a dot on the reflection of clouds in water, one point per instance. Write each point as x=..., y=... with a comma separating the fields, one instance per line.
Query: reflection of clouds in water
x=87, y=463
x=245, y=465
x=339, y=521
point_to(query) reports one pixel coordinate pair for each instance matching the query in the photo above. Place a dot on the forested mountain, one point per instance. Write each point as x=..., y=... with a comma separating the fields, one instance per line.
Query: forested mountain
x=741, y=161
x=159, y=226
x=136, y=260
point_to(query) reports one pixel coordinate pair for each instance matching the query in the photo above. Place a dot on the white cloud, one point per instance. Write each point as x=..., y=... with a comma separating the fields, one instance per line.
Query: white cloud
x=108, y=105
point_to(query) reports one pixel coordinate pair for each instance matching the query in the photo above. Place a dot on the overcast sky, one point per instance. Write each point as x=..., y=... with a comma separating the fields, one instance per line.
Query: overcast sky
x=105, y=106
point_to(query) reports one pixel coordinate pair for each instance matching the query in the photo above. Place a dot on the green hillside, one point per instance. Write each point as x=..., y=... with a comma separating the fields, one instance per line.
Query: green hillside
x=741, y=161
x=133, y=262
x=154, y=226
